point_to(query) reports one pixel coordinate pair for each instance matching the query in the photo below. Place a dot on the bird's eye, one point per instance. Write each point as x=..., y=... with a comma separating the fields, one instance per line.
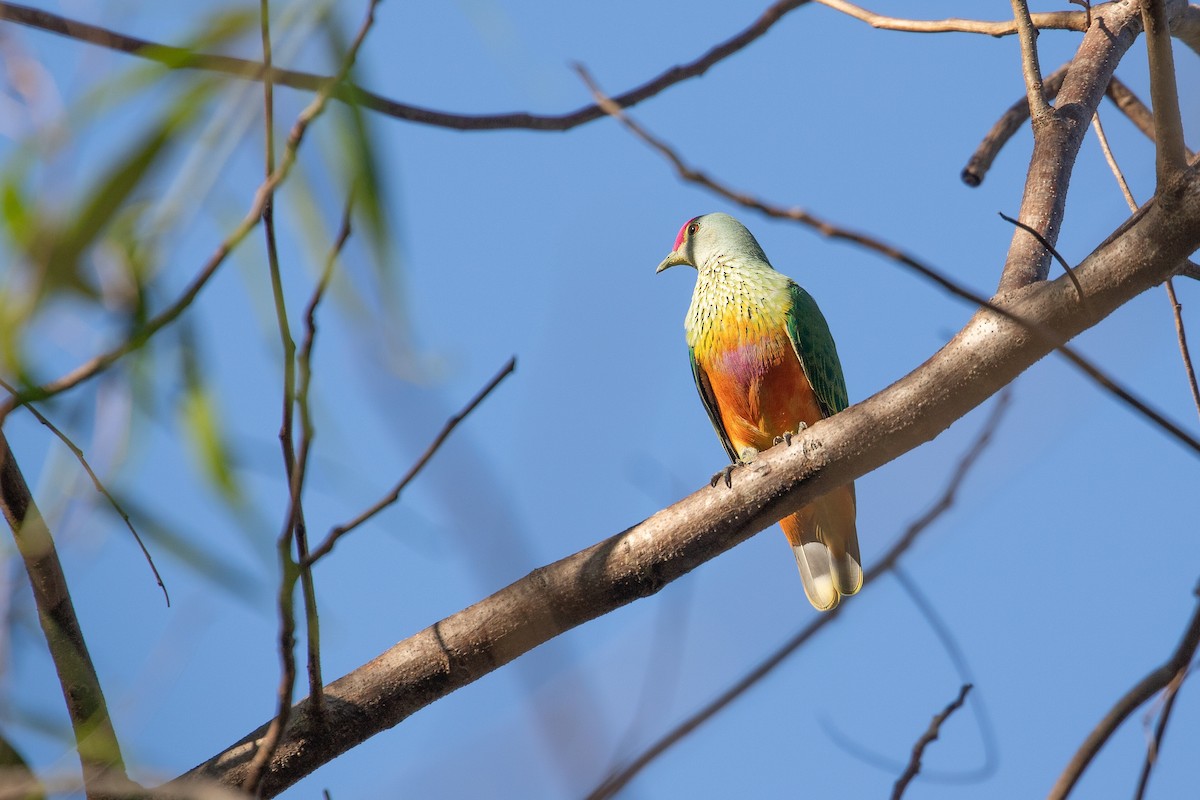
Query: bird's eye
x=692, y=228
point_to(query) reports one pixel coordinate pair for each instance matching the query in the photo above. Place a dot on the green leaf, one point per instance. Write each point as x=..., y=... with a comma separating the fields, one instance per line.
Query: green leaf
x=202, y=420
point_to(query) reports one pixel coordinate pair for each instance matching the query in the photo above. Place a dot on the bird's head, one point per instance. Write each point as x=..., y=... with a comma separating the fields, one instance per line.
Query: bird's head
x=705, y=239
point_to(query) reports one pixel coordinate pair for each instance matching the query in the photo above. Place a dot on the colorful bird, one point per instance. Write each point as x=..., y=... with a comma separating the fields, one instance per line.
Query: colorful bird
x=766, y=367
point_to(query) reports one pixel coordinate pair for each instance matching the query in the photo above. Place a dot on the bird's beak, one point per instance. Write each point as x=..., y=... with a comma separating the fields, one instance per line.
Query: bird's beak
x=674, y=259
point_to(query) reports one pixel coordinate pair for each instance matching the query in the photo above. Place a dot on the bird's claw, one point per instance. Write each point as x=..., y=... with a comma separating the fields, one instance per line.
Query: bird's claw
x=726, y=475
x=786, y=438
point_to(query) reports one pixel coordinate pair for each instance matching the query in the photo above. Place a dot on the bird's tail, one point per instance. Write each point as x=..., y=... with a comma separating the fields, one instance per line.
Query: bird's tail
x=825, y=540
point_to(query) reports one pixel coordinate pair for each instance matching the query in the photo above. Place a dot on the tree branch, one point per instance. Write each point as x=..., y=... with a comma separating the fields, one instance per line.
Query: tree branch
x=1164, y=97
x=924, y=270
x=1057, y=20
x=930, y=735
x=1009, y=123
x=99, y=487
x=341, y=530
x=1039, y=106
x=262, y=197
x=1143, y=691
x=95, y=737
x=183, y=58
x=293, y=527
x=1154, y=745
x=1057, y=136
x=986, y=355
x=618, y=780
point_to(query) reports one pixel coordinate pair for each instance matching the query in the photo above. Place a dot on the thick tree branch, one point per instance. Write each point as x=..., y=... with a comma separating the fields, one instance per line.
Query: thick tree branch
x=95, y=738
x=985, y=356
x=1058, y=135
x=1186, y=27
x=1005, y=128
x=803, y=217
x=183, y=58
x=620, y=778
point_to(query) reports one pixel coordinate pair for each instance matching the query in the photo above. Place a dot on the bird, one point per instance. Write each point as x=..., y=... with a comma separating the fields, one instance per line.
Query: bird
x=766, y=367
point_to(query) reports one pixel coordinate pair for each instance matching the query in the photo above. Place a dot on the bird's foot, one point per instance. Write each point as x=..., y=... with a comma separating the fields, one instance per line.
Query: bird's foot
x=724, y=475
x=786, y=438
x=745, y=457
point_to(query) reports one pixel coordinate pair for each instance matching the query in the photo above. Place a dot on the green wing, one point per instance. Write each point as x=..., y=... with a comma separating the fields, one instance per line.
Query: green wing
x=710, y=404
x=818, y=356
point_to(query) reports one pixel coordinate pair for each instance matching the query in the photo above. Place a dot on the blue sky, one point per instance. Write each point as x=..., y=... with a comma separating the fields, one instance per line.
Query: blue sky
x=1065, y=571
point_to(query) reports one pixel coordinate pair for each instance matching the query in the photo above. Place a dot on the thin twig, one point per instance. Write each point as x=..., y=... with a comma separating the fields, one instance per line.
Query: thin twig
x=613, y=784
x=1164, y=96
x=99, y=363
x=1014, y=118
x=1039, y=106
x=955, y=653
x=183, y=58
x=99, y=486
x=1154, y=745
x=1145, y=689
x=312, y=637
x=1057, y=20
x=1176, y=308
x=1184, y=352
x=693, y=175
x=930, y=735
x=289, y=566
x=341, y=530
x=95, y=738
x=1049, y=247
x=307, y=433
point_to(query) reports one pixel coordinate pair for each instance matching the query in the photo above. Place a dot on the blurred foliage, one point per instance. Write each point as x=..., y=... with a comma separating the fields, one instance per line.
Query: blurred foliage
x=11, y=762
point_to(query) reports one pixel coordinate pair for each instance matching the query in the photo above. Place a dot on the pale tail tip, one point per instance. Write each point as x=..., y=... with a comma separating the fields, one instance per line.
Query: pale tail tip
x=816, y=572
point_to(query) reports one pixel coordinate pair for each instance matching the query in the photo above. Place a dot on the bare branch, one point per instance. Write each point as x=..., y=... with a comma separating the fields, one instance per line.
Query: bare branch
x=1039, y=106
x=182, y=58
x=1058, y=134
x=799, y=215
x=615, y=782
x=930, y=735
x=1057, y=256
x=394, y=495
x=95, y=737
x=100, y=363
x=1184, y=352
x=1153, y=683
x=1154, y=745
x=987, y=354
x=1013, y=119
x=1005, y=128
x=307, y=433
x=1186, y=26
x=1176, y=308
x=99, y=486
x=293, y=528
x=1058, y=20
x=1168, y=124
